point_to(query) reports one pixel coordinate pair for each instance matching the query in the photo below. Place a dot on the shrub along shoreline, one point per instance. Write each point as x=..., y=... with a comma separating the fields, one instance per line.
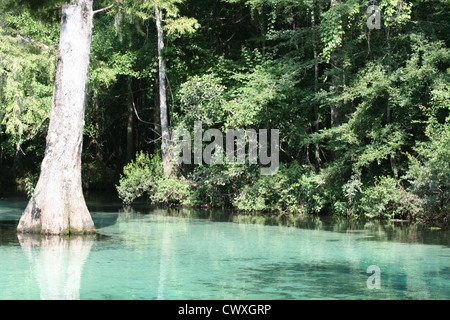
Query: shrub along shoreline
x=294, y=191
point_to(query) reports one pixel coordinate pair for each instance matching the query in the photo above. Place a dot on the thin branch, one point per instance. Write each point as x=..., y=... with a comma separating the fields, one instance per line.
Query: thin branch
x=152, y=141
x=139, y=118
x=30, y=40
x=143, y=121
x=105, y=8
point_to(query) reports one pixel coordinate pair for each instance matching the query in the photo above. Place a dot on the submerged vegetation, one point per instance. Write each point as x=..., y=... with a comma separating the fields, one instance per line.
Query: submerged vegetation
x=363, y=113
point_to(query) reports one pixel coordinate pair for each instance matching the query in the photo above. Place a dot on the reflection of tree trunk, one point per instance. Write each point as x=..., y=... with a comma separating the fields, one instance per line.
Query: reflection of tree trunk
x=163, y=264
x=165, y=139
x=58, y=205
x=57, y=263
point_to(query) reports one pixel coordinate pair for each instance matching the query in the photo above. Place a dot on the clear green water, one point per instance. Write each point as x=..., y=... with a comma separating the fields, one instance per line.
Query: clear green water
x=187, y=254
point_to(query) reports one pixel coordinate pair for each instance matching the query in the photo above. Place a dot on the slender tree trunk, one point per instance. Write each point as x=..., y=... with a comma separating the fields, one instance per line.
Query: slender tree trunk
x=335, y=115
x=337, y=83
x=58, y=205
x=336, y=79
x=316, y=85
x=1, y=118
x=98, y=120
x=165, y=140
x=392, y=156
x=156, y=115
x=1, y=140
x=130, y=124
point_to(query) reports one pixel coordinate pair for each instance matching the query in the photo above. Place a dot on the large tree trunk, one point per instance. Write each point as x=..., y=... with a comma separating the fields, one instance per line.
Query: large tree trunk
x=165, y=135
x=58, y=205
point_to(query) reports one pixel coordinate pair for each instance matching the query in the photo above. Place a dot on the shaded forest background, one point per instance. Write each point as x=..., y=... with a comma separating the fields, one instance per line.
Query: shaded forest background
x=363, y=113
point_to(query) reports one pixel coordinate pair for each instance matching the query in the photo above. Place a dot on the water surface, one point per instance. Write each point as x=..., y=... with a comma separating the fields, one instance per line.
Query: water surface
x=145, y=253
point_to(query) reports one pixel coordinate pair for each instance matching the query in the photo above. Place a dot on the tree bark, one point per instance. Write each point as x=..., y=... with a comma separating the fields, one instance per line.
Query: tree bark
x=165, y=135
x=58, y=205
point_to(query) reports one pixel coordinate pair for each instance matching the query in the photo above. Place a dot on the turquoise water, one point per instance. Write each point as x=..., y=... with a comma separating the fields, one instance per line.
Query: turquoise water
x=151, y=254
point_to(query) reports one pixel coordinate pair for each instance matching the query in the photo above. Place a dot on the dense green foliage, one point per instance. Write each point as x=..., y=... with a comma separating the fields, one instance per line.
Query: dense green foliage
x=363, y=114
